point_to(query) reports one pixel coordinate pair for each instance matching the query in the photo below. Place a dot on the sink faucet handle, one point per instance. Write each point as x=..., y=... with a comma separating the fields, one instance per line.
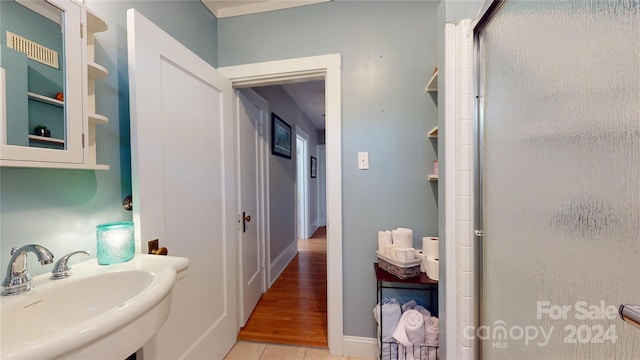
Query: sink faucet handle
x=18, y=279
x=61, y=269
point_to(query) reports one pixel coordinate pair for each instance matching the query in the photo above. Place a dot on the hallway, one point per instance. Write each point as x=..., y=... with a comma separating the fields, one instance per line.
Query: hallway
x=294, y=310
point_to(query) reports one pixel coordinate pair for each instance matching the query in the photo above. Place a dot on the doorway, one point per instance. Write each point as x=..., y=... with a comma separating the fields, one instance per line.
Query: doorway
x=327, y=67
x=302, y=199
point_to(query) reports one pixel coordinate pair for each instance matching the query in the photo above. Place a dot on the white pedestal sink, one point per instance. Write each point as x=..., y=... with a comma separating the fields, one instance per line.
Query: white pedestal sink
x=100, y=312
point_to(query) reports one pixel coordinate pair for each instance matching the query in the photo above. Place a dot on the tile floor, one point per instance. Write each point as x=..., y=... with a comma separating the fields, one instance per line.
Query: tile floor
x=248, y=350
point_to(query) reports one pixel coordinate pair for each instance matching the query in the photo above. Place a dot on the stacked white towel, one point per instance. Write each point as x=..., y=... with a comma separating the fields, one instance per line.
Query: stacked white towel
x=402, y=237
x=384, y=239
x=391, y=313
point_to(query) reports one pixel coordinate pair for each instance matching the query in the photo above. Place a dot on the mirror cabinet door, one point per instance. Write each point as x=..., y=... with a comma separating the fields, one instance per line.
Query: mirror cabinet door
x=41, y=76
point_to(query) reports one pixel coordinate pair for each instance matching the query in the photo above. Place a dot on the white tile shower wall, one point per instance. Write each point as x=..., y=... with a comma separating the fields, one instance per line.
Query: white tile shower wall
x=464, y=170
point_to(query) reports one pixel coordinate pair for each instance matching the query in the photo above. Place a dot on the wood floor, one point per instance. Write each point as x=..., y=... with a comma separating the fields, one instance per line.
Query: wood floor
x=294, y=310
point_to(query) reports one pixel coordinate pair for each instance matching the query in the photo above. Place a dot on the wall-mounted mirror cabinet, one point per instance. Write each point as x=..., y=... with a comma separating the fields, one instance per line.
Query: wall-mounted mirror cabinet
x=47, y=84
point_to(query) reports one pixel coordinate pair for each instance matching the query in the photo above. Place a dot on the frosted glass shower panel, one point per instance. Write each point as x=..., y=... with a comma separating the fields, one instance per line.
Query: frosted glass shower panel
x=561, y=179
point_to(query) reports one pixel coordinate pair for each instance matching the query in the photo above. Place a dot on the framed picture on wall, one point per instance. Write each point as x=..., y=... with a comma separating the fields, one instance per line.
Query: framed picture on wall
x=314, y=167
x=280, y=137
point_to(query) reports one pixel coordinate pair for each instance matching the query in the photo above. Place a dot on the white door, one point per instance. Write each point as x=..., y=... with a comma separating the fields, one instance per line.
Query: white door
x=251, y=117
x=184, y=186
x=301, y=185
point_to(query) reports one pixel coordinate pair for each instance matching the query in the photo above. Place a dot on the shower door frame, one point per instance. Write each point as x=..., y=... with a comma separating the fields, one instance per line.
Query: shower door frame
x=491, y=10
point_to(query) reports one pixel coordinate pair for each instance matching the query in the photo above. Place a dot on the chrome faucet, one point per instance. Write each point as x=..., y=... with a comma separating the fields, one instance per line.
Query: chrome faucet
x=60, y=269
x=18, y=279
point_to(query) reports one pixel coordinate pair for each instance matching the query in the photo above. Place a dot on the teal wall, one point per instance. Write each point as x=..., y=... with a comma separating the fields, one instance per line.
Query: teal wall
x=60, y=208
x=388, y=53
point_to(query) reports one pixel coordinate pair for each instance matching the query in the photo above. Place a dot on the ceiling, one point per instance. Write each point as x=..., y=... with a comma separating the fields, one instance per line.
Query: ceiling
x=222, y=9
x=308, y=95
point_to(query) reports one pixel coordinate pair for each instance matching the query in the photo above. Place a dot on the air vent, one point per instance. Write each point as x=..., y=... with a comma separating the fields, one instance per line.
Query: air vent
x=33, y=50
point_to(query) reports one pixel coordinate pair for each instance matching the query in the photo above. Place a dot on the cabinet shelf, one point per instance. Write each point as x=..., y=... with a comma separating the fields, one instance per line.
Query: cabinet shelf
x=98, y=119
x=45, y=99
x=46, y=139
x=432, y=85
x=97, y=71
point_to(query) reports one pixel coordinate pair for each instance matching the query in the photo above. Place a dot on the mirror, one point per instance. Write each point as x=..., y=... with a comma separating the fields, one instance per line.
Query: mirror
x=40, y=57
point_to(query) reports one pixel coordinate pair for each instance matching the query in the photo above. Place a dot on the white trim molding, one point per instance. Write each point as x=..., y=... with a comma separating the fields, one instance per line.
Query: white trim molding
x=460, y=293
x=360, y=347
x=327, y=67
x=278, y=265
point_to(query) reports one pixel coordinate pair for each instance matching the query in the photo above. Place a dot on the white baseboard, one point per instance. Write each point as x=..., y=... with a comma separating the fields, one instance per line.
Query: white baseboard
x=280, y=263
x=312, y=228
x=360, y=347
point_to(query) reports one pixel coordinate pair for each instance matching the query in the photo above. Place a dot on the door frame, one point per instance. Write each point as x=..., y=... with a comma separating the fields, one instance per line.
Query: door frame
x=327, y=67
x=262, y=182
x=301, y=174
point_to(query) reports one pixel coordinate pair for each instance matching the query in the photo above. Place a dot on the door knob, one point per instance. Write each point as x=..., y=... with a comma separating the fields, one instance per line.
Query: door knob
x=245, y=219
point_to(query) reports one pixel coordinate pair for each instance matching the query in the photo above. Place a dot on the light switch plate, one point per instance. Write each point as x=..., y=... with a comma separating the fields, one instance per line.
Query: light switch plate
x=363, y=160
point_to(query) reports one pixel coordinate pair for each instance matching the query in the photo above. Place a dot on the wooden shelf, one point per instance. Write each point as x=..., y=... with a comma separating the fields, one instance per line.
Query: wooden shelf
x=433, y=177
x=432, y=85
x=95, y=23
x=46, y=139
x=97, y=71
x=45, y=99
x=98, y=119
x=433, y=133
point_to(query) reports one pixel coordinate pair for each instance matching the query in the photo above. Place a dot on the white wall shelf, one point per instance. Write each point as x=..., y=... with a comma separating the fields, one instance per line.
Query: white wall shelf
x=433, y=177
x=98, y=119
x=433, y=133
x=96, y=71
x=432, y=85
x=45, y=99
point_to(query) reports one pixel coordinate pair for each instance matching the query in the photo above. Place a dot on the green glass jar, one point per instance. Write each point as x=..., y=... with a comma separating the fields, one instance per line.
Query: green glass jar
x=115, y=242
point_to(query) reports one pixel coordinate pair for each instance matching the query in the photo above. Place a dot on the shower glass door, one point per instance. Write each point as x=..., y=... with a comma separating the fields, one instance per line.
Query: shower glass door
x=560, y=162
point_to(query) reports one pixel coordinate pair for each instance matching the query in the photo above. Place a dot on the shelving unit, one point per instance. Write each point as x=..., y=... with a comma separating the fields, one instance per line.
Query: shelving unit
x=385, y=280
x=95, y=71
x=433, y=134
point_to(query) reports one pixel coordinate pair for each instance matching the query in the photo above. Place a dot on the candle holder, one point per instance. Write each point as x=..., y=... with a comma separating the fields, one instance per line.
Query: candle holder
x=115, y=242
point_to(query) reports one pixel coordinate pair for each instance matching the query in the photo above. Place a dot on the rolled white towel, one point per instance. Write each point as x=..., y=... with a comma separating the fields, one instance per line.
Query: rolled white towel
x=410, y=332
x=405, y=254
x=402, y=237
x=391, y=251
x=391, y=313
x=384, y=239
x=432, y=336
x=432, y=331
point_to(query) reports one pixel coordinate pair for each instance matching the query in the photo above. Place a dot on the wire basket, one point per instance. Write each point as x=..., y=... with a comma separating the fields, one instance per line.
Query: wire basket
x=426, y=352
